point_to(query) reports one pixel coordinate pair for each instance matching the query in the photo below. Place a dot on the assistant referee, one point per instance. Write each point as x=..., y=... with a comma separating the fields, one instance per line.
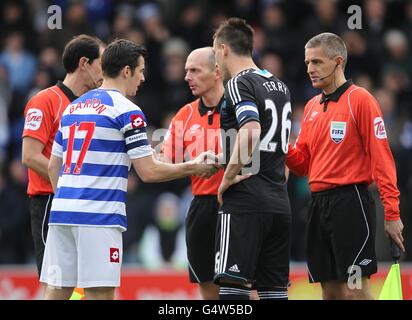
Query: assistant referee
x=343, y=148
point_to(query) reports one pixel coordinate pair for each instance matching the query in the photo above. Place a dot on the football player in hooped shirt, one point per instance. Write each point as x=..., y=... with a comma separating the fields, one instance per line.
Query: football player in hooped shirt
x=100, y=135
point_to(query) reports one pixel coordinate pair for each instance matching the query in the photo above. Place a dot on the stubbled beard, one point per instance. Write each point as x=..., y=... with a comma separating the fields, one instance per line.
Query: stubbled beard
x=226, y=76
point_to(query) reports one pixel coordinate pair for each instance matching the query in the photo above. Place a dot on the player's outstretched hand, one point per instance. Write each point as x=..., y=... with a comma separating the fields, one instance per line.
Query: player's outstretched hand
x=208, y=157
x=394, y=230
x=206, y=164
x=226, y=183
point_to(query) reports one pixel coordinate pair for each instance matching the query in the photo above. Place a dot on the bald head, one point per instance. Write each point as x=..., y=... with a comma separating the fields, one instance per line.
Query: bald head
x=202, y=75
x=203, y=56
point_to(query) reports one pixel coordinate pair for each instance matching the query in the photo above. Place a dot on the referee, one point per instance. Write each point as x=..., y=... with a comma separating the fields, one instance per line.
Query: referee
x=81, y=60
x=193, y=129
x=343, y=148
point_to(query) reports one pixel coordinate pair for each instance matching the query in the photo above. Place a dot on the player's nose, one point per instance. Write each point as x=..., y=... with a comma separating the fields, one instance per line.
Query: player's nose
x=187, y=77
x=309, y=68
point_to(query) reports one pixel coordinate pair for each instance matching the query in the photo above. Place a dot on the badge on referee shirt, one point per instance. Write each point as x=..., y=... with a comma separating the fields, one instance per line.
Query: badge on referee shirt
x=337, y=131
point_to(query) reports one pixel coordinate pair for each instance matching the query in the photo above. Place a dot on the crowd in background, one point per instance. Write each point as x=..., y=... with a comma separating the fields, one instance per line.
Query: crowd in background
x=379, y=59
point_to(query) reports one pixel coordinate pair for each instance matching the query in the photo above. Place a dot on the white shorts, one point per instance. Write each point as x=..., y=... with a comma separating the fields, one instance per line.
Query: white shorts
x=82, y=257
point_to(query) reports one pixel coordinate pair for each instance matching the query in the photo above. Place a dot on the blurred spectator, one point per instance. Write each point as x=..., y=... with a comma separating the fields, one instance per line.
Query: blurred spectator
x=169, y=220
x=387, y=102
x=75, y=22
x=217, y=17
x=375, y=15
x=42, y=80
x=364, y=80
x=149, y=15
x=135, y=35
x=327, y=19
x=272, y=62
x=5, y=90
x=359, y=60
x=175, y=88
x=15, y=18
x=276, y=29
x=138, y=217
x=246, y=9
x=374, y=27
x=259, y=43
x=397, y=46
x=122, y=22
x=99, y=11
x=50, y=61
x=190, y=26
x=20, y=64
x=150, y=18
x=15, y=242
x=299, y=194
x=395, y=79
x=407, y=24
x=4, y=131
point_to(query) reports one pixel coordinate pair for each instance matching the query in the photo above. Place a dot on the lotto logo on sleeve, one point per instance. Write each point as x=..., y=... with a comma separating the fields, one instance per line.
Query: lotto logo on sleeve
x=137, y=121
x=379, y=125
x=33, y=119
x=114, y=255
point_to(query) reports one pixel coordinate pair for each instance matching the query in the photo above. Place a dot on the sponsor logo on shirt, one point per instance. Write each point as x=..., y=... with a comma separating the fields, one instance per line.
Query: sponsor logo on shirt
x=337, y=131
x=195, y=129
x=114, y=255
x=33, y=120
x=379, y=128
x=136, y=137
x=137, y=121
x=313, y=115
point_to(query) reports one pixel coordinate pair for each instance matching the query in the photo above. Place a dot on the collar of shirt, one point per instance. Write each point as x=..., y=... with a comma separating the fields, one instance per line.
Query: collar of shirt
x=204, y=109
x=69, y=94
x=337, y=93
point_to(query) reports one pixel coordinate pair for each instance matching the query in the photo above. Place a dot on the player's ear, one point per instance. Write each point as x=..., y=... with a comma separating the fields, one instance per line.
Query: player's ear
x=218, y=73
x=125, y=71
x=226, y=49
x=339, y=61
x=82, y=63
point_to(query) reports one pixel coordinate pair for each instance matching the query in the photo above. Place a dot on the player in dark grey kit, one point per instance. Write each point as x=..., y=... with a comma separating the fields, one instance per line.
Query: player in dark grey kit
x=253, y=236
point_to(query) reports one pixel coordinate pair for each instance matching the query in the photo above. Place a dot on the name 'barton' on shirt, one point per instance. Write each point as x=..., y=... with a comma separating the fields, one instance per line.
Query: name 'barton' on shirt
x=100, y=133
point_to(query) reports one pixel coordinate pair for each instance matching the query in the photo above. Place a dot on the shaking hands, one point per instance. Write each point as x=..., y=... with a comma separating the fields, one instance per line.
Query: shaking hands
x=206, y=164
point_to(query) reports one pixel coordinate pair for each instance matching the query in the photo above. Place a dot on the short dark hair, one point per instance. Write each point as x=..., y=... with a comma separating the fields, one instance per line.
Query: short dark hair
x=80, y=46
x=119, y=54
x=237, y=34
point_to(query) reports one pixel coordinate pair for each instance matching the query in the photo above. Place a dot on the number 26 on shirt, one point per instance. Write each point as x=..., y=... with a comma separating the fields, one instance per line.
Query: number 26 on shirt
x=267, y=144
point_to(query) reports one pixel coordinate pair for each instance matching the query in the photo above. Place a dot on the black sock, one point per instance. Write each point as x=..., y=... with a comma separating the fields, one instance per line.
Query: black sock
x=267, y=293
x=230, y=291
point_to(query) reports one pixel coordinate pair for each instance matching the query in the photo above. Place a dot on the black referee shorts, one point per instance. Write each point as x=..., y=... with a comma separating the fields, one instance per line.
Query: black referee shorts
x=253, y=248
x=201, y=223
x=341, y=234
x=39, y=212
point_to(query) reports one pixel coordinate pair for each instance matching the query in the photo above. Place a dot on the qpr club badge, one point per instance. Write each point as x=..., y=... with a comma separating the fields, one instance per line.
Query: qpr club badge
x=337, y=131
